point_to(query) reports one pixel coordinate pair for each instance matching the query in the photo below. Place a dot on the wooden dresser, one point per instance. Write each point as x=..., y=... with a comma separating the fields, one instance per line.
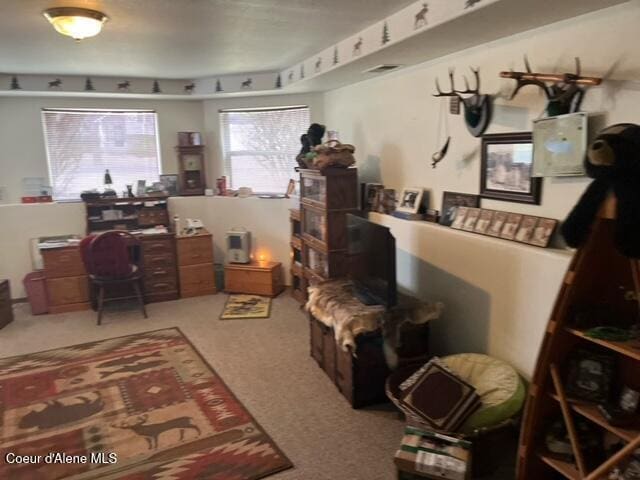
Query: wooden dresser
x=159, y=264
x=66, y=279
x=6, y=311
x=195, y=264
x=257, y=278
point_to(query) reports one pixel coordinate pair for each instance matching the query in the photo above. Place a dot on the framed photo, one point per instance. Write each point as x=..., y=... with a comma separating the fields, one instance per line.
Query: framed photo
x=497, y=223
x=450, y=203
x=170, y=183
x=543, y=232
x=484, y=221
x=559, y=145
x=460, y=215
x=511, y=225
x=187, y=139
x=386, y=200
x=370, y=199
x=141, y=188
x=507, y=168
x=471, y=219
x=525, y=231
x=590, y=375
x=410, y=200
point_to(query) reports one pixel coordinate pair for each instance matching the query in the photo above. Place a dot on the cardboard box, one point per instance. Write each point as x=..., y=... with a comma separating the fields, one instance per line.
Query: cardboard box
x=433, y=455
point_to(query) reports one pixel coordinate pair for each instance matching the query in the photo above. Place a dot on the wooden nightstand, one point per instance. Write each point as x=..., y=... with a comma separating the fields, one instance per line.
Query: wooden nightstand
x=6, y=310
x=258, y=278
x=195, y=264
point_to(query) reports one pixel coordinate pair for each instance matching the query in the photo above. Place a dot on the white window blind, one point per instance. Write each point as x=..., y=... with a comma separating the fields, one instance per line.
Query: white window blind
x=82, y=144
x=260, y=146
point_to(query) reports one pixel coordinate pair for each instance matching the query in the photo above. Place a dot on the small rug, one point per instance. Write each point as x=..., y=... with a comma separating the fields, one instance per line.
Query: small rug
x=144, y=406
x=246, y=306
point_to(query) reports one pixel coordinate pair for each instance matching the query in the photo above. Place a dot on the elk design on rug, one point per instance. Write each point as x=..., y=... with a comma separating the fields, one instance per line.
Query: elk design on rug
x=151, y=431
x=56, y=413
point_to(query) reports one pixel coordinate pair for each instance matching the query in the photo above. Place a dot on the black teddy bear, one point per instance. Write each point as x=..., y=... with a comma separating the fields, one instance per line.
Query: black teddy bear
x=309, y=140
x=613, y=161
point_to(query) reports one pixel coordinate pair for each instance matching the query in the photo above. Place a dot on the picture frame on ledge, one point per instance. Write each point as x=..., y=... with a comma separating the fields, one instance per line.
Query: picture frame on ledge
x=451, y=201
x=170, y=183
x=410, y=200
x=506, y=164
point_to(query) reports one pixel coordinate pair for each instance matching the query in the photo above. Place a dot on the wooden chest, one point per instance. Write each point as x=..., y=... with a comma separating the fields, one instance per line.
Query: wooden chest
x=360, y=379
x=258, y=278
x=195, y=264
x=159, y=264
x=6, y=311
x=66, y=279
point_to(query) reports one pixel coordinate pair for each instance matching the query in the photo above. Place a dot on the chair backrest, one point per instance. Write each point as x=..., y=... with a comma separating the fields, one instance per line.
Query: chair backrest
x=107, y=254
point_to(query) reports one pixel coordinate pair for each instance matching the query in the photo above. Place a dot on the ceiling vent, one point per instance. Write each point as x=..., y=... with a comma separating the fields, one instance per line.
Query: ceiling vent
x=382, y=68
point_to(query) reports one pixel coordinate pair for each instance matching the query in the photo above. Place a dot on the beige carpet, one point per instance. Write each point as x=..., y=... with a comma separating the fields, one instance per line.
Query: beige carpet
x=266, y=363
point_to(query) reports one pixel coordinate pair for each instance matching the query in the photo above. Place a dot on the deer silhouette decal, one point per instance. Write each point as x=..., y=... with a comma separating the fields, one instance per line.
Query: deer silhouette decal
x=151, y=431
x=477, y=107
x=57, y=83
x=248, y=83
x=357, y=47
x=189, y=87
x=421, y=17
x=124, y=86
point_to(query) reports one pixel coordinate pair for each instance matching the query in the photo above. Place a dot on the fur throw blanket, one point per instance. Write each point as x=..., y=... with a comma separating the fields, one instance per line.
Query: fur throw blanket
x=334, y=304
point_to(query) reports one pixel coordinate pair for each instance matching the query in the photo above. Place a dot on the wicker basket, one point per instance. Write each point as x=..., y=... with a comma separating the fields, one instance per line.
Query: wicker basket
x=488, y=445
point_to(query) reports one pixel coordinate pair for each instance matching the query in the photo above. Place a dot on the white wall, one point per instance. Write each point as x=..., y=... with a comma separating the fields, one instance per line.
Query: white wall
x=22, y=150
x=498, y=294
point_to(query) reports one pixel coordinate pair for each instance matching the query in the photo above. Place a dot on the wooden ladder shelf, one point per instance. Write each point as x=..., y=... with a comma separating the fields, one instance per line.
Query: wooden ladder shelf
x=598, y=276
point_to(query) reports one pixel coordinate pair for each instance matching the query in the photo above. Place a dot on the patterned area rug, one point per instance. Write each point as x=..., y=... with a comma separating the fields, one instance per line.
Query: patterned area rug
x=246, y=306
x=145, y=406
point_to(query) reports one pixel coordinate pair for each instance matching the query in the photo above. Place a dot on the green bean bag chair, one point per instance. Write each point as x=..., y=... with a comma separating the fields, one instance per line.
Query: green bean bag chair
x=501, y=389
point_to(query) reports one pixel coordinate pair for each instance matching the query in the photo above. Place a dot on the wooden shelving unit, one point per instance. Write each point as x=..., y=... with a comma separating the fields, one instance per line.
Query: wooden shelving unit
x=298, y=280
x=598, y=276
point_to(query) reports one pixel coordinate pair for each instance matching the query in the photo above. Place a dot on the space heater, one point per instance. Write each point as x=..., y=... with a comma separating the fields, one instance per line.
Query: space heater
x=238, y=246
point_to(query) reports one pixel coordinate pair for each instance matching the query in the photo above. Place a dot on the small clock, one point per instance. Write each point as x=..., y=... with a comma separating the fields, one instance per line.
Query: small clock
x=191, y=169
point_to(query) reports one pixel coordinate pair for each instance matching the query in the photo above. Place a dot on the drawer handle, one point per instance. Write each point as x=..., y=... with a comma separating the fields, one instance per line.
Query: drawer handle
x=156, y=245
x=160, y=285
x=159, y=272
x=195, y=255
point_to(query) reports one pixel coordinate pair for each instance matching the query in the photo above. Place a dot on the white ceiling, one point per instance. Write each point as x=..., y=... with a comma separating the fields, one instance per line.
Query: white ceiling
x=181, y=38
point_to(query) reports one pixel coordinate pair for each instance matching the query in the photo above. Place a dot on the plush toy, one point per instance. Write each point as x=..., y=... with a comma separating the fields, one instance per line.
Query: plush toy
x=613, y=161
x=309, y=140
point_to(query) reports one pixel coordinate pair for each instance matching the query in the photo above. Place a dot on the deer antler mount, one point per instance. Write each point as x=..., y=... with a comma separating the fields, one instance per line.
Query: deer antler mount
x=477, y=107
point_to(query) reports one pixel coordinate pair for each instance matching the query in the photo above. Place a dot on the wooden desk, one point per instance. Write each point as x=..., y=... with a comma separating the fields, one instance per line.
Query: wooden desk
x=68, y=283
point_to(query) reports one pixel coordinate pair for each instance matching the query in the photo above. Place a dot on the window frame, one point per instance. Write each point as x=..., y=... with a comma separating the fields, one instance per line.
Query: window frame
x=94, y=110
x=225, y=138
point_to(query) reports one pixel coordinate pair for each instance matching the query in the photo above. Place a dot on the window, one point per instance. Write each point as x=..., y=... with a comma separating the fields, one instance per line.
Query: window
x=82, y=144
x=260, y=146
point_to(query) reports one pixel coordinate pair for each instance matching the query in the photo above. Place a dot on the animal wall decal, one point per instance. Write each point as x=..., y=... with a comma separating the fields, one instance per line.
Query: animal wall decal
x=88, y=85
x=189, y=88
x=336, y=58
x=124, y=86
x=301, y=71
x=156, y=87
x=151, y=431
x=564, y=91
x=471, y=3
x=290, y=76
x=57, y=83
x=278, y=81
x=386, y=38
x=357, y=47
x=421, y=17
x=318, y=64
x=477, y=107
x=218, y=86
x=248, y=83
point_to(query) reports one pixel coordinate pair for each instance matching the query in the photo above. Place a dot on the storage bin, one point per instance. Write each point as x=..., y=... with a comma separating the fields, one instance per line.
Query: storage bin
x=35, y=285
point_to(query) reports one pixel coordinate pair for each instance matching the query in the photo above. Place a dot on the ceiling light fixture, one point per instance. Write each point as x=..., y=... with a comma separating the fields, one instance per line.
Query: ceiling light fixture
x=78, y=23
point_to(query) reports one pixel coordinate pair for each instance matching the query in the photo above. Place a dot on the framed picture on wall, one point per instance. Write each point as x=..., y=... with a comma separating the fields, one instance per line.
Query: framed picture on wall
x=451, y=201
x=507, y=168
x=170, y=184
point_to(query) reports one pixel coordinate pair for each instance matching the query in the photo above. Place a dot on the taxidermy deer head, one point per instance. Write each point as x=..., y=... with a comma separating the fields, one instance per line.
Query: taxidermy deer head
x=477, y=107
x=564, y=91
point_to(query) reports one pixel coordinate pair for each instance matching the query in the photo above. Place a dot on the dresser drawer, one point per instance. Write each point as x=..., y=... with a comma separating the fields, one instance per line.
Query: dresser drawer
x=158, y=273
x=67, y=290
x=161, y=286
x=196, y=250
x=157, y=246
x=197, y=280
x=165, y=260
x=63, y=262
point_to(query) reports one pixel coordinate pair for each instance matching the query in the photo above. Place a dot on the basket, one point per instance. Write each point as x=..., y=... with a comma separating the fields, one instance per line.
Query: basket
x=334, y=154
x=488, y=445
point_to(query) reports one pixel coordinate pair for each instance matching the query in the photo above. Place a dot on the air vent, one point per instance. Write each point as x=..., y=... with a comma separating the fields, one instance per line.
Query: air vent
x=382, y=68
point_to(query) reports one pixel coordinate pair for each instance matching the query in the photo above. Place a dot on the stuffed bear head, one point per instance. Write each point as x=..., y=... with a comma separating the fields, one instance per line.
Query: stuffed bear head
x=615, y=153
